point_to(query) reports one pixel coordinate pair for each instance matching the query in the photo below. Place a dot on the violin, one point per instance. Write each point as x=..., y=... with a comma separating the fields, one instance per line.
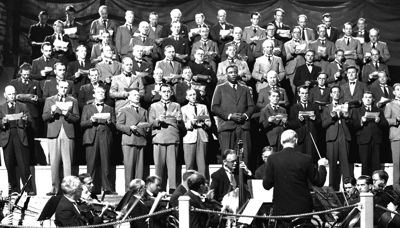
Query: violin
x=94, y=208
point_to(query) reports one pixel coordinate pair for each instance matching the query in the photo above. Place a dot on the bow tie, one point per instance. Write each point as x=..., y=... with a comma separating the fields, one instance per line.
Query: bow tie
x=138, y=60
x=297, y=41
x=328, y=27
x=109, y=62
x=11, y=104
x=321, y=87
x=310, y=64
x=100, y=104
x=322, y=39
x=383, y=85
x=352, y=83
x=127, y=74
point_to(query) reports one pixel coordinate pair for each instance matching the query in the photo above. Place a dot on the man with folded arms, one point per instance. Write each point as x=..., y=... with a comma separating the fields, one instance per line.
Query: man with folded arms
x=98, y=136
x=61, y=113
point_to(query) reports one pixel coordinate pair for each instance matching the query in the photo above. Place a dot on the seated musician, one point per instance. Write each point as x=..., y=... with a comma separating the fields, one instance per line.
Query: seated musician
x=387, y=197
x=87, y=185
x=351, y=193
x=181, y=189
x=260, y=171
x=150, y=200
x=226, y=179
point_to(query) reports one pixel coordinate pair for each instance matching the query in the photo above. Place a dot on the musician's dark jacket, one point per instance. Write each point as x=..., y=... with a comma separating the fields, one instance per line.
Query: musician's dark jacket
x=290, y=172
x=67, y=214
x=179, y=191
x=383, y=198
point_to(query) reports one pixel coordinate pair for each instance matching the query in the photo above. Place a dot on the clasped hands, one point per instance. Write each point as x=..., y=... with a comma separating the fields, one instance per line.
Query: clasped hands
x=238, y=117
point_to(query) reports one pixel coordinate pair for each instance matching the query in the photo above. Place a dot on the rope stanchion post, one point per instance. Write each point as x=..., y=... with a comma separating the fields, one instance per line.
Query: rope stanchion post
x=184, y=211
x=367, y=210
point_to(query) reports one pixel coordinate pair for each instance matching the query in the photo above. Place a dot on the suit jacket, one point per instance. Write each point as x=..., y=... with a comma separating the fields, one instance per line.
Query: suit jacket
x=67, y=214
x=179, y=191
x=101, y=129
x=39, y=64
x=227, y=101
x=97, y=26
x=263, y=66
x=37, y=33
x=165, y=132
x=331, y=69
x=82, y=35
x=294, y=60
x=197, y=220
x=284, y=27
x=263, y=97
x=259, y=50
x=392, y=111
x=370, y=130
x=126, y=117
x=155, y=52
x=354, y=46
x=334, y=34
x=273, y=129
x=155, y=33
x=369, y=68
x=221, y=184
x=83, y=79
x=96, y=52
x=332, y=124
x=209, y=47
x=149, y=98
x=122, y=39
x=315, y=94
x=33, y=87
x=63, y=56
x=214, y=34
x=364, y=34
x=381, y=46
x=168, y=69
x=108, y=70
x=303, y=128
x=250, y=32
x=50, y=88
x=345, y=93
x=378, y=93
x=86, y=95
x=302, y=74
x=19, y=124
x=146, y=68
x=180, y=92
x=243, y=70
x=242, y=50
x=166, y=31
x=56, y=120
x=181, y=46
x=290, y=172
x=193, y=133
x=119, y=86
x=329, y=51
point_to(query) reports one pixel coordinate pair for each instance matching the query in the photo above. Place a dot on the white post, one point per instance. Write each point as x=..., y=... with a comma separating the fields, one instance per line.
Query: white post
x=184, y=211
x=367, y=210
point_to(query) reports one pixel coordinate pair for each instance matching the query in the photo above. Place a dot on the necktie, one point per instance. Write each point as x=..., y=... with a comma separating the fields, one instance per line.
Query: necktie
x=303, y=35
x=352, y=83
x=385, y=92
x=143, y=39
x=195, y=109
x=105, y=24
x=304, y=105
x=11, y=107
x=347, y=41
x=368, y=109
x=165, y=107
x=322, y=90
x=234, y=87
x=136, y=109
x=204, y=44
x=82, y=63
x=171, y=64
x=231, y=60
x=373, y=45
x=323, y=42
x=233, y=181
x=254, y=30
x=269, y=58
x=376, y=66
x=130, y=28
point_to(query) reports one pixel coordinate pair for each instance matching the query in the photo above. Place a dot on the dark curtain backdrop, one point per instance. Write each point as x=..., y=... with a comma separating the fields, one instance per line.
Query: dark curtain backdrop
x=381, y=14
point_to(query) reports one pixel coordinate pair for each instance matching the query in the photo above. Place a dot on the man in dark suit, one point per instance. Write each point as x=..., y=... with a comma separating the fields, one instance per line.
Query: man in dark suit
x=97, y=49
x=141, y=67
x=14, y=140
x=86, y=91
x=28, y=92
x=62, y=45
x=307, y=73
x=305, y=124
x=243, y=50
x=292, y=193
x=263, y=96
x=98, y=137
x=67, y=212
x=381, y=46
x=338, y=139
x=181, y=87
x=382, y=90
x=361, y=33
x=181, y=189
x=171, y=68
x=353, y=90
x=78, y=70
x=282, y=32
x=152, y=91
x=50, y=85
x=332, y=33
x=37, y=33
x=233, y=121
x=369, y=131
x=73, y=28
x=195, y=26
x=181, y=44
x=151, y=52
x=176, y=15
x=370, y=70
x=131, y=122
x=61, y=113
x=155, y=28
x=279, y=49
x=124, y=34
x=320, y=93
x=42, y=67
x=102, y=24
x=221, y=32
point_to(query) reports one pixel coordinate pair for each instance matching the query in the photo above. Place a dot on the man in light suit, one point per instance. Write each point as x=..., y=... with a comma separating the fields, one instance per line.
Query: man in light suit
x=273, y=119
x=209, y=46
x=307, y=34
x=98, y=137
x=102, y=24
x=130, y=120
x=244, y=72
x=336, y=70
x=124, y=82
x=263, y=96
x=50, y=85
x=233, y=121
x=377, y=44
x=332, y=33
x=155, y=28
x=353, y=90
x=124, y=34
x=143, y=39
x=338, y=139
x=166, y=119
x=108, y=67
x=197, y=120
x=171, y=69
x=370, y=70
x=42, y=67
x=266, y=63
x=14, y=140
x=60, y=132
x=295, y=50
x=352, y=47
x=221, y=25
x=243, y=50
x=253, y=32
x=324, y=48
x=392, y=115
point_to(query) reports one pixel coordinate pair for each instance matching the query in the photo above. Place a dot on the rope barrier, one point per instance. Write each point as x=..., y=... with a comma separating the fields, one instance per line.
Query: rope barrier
x=274, y=216
x=103, y=224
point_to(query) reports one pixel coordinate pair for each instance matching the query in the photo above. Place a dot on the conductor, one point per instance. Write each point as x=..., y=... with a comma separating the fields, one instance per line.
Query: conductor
x=290, y=173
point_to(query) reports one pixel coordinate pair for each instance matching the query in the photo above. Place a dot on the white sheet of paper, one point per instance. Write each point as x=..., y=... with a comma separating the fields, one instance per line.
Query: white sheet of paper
x=72, y=30
x=361, y=39
x=283, y=32
x=349, y=52
x=384, y=100
x=301, y=47
x=60, y=43
x=195, y=30
x=15, y=116
x=64, y=106
x=306, y=113
x=102, y=116
x=371, y=114
x=260, y=193
x=251, y=209
x=224, y=32
x=321, y=50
